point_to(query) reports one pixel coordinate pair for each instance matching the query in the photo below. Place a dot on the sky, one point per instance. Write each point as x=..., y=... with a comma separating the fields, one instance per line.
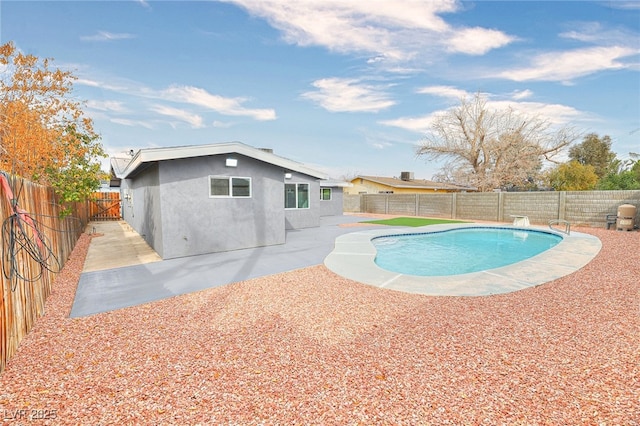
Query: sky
x=348, y=87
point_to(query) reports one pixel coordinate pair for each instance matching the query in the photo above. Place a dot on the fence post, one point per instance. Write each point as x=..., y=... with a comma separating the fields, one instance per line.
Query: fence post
x=500, y=207
x=417, y=205
x=562, y=205
x=454, y=206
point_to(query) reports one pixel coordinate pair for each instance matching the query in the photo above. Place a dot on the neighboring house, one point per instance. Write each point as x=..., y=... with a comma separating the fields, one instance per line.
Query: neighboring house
x=200, y=199
x=406, y=184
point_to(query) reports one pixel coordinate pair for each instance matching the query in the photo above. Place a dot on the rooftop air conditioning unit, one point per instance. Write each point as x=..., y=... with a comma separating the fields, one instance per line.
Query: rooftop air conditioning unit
x=406, y=176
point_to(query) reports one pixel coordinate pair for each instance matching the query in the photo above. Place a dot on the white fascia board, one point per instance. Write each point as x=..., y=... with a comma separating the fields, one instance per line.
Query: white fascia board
x=326, y=183
x=148, y=155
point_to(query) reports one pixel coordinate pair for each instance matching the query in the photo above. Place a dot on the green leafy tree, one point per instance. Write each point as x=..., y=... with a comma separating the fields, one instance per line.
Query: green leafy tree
x=635, y=168
x=595, y=151
x=44, y=135
x=77, y=175
x=626, y=176
x=623, y=180
x=572, y=176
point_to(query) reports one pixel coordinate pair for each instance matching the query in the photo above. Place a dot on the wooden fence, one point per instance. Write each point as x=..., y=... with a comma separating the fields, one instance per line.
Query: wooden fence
x=33, y=251
x=104, y=206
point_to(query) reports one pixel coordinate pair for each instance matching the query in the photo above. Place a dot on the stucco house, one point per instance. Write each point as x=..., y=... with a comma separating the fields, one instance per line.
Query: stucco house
x=198, y=199
x=405, y=184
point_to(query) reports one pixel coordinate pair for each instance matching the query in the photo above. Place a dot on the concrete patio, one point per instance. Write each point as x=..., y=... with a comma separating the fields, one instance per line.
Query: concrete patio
x=121, y=270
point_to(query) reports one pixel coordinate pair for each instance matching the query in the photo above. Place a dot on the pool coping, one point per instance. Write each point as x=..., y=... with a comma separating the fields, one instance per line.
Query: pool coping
x=354, y=253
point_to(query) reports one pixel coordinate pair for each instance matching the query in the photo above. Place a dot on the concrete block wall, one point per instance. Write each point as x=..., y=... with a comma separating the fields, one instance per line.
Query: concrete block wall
x=540, y=207
x=578, y=207
x=374, y=203
x=351, y=203
x=402, y=204
x=479, y=206
x=592, y=207
x=435, y=205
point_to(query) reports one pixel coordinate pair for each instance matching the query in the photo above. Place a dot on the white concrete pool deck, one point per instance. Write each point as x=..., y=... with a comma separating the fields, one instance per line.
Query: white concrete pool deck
x=354, y=254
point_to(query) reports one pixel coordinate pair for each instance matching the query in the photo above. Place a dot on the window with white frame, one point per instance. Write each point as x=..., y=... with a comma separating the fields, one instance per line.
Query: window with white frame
x=229, y=186
x=296, y=195
x=325, y=194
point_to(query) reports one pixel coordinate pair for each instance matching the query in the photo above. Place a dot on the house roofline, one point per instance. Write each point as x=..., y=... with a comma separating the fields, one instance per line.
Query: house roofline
x=150, y=155
x=416, y=185
x=326, y=183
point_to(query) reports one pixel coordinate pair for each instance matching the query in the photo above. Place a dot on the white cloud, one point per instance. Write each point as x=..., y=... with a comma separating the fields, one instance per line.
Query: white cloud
x=131, y=123
x=388, y=31
x=624, y=4
x=381, y=145
x=107, y=36
x=185, y=95
x=193, y=119
x=414, y=124
x=226, y=106
x=444, y=91
x=348, y=95
x=477, y=41
x=113, y=106
x=553, y=113
x=598, y=34
x=143, y=3
x=124, y=88
x=521, y=94
x=86, y=82
x=590, y=32
x=222, y=124
x=569, y=65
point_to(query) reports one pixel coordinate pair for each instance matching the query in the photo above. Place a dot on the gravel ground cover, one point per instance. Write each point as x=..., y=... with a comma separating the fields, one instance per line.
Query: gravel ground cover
x=309, y=347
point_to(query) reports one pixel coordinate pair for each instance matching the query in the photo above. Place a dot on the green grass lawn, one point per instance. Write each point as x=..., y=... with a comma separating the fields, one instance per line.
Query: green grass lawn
x=411, y=221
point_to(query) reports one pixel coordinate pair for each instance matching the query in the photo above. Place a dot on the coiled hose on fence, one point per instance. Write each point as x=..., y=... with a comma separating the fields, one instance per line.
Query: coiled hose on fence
x=21, y=238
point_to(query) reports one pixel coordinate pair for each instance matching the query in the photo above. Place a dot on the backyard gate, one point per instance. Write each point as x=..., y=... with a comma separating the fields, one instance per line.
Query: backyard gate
x=104, y=206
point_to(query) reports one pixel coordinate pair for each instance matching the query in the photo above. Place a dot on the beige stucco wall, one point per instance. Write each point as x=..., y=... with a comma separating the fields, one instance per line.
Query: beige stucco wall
x=368, y=187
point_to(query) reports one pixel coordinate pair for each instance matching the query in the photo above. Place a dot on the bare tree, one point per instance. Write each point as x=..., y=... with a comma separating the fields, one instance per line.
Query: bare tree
x=491, y=148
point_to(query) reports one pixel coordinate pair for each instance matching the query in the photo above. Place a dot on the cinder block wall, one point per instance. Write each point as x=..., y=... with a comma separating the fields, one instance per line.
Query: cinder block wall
x=351, y=203
x=578, y=207
x=435, y=205
x=479, y=206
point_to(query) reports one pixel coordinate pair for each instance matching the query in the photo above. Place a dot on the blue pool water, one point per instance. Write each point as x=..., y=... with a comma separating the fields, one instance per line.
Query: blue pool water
x=459, y=251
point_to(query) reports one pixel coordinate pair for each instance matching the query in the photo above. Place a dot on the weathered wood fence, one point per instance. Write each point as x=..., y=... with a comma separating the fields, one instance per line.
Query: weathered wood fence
x=578, y=207
x=35, y=247
x=104, y=206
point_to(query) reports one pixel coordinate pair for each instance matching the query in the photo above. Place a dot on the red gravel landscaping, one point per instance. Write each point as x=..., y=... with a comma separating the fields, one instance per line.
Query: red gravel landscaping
x=309, y=347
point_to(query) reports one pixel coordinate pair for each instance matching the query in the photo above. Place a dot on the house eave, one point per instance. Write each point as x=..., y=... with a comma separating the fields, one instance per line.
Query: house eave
x=151, y=155
x=326, y=183
x=416, y=186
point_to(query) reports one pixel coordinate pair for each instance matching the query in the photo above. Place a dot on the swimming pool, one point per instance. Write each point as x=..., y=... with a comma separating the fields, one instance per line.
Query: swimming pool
x=353, y=257
x=459, y=251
